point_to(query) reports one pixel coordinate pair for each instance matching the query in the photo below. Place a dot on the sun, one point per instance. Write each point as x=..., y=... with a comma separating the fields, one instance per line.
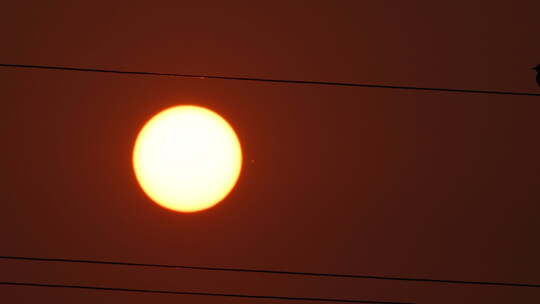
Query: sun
x=187, y=158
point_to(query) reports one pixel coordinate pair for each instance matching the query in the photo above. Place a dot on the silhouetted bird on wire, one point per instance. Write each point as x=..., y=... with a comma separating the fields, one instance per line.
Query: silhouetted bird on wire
x=537, y=69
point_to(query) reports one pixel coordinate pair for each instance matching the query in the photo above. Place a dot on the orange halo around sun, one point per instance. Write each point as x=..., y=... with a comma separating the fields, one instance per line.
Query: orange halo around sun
x=187, y=158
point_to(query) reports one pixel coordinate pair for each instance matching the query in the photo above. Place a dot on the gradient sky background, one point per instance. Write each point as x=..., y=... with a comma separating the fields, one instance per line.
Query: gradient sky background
x=352, y=180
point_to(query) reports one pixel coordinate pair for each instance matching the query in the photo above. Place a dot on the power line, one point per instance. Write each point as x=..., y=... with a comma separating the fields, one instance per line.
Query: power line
x=289, y=81
x=194, y=293
x=276, y=272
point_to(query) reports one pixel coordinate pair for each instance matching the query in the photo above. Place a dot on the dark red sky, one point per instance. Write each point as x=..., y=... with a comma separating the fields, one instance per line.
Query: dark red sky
x=353, y=180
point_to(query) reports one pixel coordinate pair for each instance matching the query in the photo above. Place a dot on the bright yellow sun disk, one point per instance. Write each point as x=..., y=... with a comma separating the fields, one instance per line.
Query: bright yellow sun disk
x=187, y=158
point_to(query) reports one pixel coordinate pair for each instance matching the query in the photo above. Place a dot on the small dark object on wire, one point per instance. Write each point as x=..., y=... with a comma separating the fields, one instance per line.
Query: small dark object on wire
x=537, y=69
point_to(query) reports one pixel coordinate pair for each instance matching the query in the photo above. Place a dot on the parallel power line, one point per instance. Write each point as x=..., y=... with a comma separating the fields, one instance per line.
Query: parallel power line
x=195, y=293
x=276, y=272
x=287, y=81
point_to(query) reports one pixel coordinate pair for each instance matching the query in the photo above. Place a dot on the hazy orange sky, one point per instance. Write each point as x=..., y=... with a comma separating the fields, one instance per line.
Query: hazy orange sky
x=352, y=180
